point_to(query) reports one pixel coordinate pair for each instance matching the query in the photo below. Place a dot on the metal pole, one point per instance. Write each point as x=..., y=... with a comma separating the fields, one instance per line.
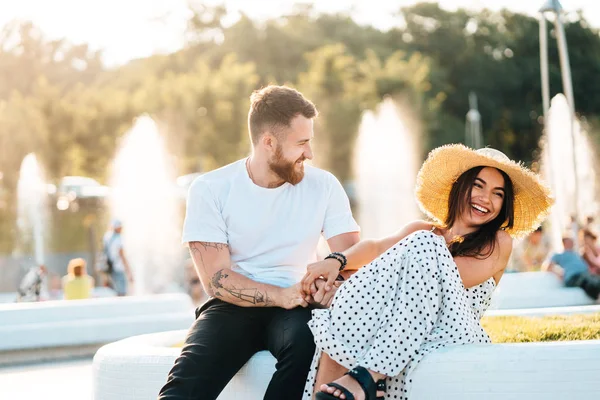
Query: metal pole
x=545, y=93
x=544, y=66
x=565, y=68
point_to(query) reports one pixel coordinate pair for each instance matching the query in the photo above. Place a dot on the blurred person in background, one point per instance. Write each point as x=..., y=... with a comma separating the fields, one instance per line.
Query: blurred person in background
x=573, y=231
x=77, y=284
x=591, y=251
x=193, y=285
x=33, y=284
x=118, y=268
x=54, y=286
x=570, y=267
x=531, y=252
x=590, y=225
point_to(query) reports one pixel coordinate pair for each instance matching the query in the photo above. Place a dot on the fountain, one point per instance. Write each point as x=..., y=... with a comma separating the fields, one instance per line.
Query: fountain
x=386, y=164
x=31, y=203
x=559, y=169
x=144, y=199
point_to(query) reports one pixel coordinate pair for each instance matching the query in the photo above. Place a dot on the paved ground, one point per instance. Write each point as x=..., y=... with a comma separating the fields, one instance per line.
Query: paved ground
x=65, y=380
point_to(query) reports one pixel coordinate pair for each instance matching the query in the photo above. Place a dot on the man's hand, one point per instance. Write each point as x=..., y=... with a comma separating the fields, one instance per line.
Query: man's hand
x=291, y=297
x=323, y=298
x=326, y=269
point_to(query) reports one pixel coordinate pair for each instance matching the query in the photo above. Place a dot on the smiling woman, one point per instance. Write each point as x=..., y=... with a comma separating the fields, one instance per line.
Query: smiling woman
x=428, y=285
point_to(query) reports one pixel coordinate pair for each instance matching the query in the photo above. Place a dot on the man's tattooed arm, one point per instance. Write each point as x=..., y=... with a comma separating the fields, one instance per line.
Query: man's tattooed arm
x=213, y=264
x=198, y=251
x=253, y=295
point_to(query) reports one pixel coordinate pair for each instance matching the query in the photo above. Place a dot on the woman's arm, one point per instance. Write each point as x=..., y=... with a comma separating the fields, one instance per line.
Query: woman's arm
x=366, y=251
x=382, y=245
x=358, y=255
x=474, y=271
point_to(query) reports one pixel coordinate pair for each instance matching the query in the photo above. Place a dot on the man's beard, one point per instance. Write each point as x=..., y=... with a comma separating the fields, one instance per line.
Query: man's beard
x=285, y=169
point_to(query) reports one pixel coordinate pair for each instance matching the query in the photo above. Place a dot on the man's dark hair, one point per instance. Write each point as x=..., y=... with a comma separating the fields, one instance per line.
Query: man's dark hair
x=273, y=108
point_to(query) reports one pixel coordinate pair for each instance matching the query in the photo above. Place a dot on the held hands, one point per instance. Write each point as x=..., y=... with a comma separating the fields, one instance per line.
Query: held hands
x=322, y=298
x=318, y=286
x=291, y=297
x=327, y=269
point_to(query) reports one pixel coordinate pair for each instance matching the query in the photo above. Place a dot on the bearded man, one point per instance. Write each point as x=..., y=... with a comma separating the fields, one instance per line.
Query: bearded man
x=252, y=227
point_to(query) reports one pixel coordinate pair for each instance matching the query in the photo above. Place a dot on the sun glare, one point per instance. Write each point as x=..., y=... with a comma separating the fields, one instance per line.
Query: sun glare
x=131, y=29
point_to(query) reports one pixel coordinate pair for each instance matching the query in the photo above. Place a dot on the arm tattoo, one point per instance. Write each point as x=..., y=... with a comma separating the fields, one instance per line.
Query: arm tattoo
x=253, y=296
x=211, y=245
x=196, y=247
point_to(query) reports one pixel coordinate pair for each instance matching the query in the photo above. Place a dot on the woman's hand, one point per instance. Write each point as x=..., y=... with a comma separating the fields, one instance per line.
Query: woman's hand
x=327, y=269
x=323, y=299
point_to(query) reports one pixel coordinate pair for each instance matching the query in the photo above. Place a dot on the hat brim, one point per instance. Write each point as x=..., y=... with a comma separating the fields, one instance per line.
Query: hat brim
x=445, y=164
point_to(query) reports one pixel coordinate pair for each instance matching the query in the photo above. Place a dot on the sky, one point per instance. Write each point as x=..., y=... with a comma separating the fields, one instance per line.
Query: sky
x=129, y=29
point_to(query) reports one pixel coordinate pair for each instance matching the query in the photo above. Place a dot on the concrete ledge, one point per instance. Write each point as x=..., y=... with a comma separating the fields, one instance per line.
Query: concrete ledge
x=533, y=371
x=69, y=324
x=542, y=312
x=35, y=356
x=97, y=292
x=536, y=290
x=136, y=368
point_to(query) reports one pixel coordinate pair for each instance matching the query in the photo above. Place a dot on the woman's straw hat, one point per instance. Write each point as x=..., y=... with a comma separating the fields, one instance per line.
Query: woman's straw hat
x=445, y=164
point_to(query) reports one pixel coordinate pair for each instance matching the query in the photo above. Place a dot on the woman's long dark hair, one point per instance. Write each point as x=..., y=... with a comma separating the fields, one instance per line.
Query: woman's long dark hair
x=482, y=242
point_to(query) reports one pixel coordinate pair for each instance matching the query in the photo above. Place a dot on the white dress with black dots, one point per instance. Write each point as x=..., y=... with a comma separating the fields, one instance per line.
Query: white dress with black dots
x=392, y=312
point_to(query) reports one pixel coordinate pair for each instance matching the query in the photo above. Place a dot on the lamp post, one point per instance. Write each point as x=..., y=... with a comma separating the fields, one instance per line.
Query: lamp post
x=554, y=7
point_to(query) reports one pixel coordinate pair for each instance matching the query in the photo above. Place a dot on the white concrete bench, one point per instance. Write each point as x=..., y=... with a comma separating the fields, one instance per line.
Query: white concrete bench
x=136, y=368
x=51, y=324
x=536, y=289
x=533, y=371
x=97, y=292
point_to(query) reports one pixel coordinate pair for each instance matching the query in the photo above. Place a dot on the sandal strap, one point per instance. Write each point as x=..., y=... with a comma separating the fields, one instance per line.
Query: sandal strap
x=365, y=380
x=349, y=395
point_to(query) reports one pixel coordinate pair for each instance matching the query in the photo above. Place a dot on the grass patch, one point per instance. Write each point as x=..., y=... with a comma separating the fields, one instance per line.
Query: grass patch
x=537, y=329
x=542, y=329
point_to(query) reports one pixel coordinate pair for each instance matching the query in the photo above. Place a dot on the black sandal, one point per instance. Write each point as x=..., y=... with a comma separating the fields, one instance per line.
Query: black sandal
x=381, y=388
x=364, y=379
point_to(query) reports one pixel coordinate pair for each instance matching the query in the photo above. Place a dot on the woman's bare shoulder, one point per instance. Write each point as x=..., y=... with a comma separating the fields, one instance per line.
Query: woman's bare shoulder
x=505, y=241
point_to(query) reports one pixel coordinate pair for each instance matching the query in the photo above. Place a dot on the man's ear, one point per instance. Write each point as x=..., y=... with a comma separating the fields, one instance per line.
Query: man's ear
x=269, y=141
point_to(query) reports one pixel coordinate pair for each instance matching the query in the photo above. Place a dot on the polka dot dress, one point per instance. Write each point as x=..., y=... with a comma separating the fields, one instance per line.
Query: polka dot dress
x=392, y=312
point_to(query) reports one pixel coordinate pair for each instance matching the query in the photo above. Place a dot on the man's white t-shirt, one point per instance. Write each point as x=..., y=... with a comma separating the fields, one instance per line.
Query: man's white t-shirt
x=272, y=234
